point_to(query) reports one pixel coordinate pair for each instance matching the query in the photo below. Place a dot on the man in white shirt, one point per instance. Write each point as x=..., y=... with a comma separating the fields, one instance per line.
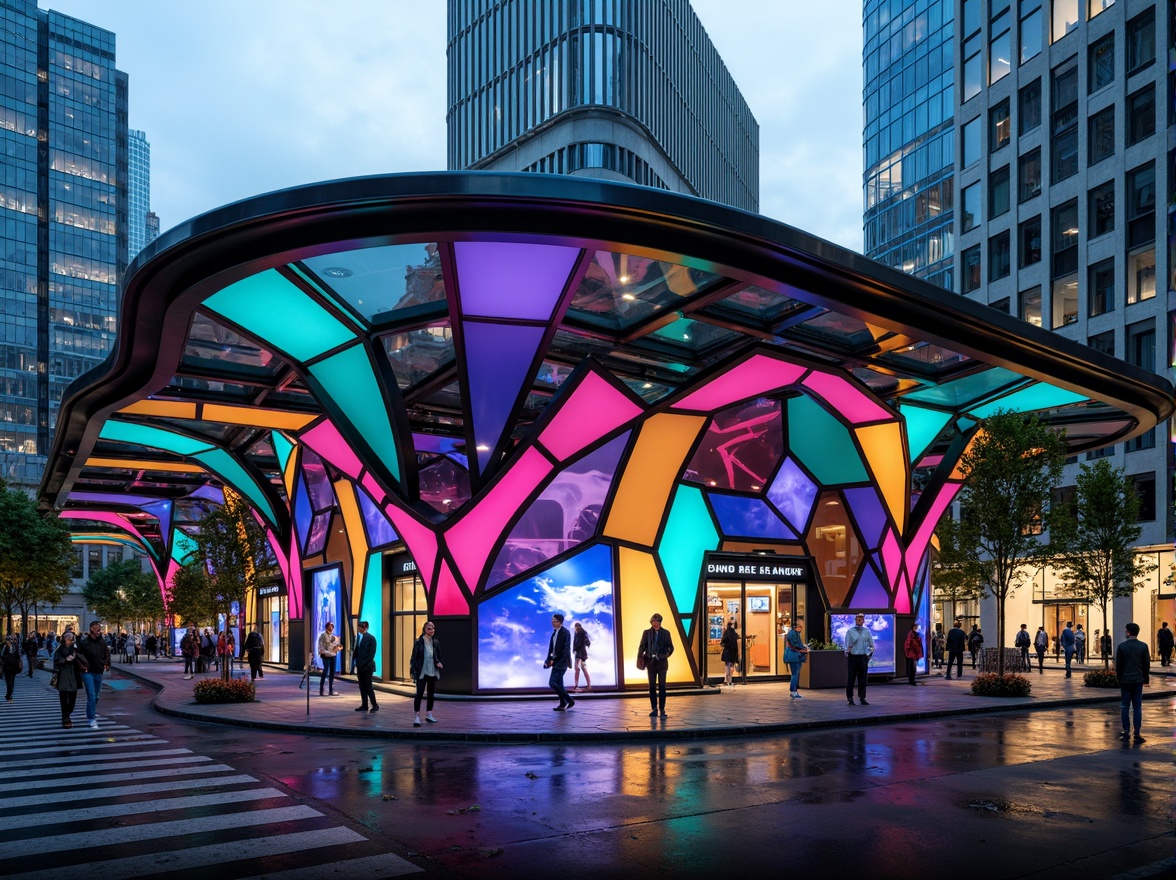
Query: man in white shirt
x=859, y=647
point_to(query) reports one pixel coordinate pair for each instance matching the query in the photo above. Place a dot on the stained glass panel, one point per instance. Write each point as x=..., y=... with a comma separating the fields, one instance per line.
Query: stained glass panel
x=741, y=447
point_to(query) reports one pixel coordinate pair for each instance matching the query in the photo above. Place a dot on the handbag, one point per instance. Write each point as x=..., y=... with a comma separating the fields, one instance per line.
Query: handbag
x=641, y=661
x=53, y=680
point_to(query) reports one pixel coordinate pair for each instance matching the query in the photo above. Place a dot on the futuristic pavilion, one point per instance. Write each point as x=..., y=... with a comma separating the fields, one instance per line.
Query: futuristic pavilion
x=483, y=398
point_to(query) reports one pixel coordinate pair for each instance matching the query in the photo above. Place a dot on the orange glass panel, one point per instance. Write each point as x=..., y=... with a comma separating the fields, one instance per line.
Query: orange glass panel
x=356, y=539
x=641, y=594
x=142, y=464
x=887, y=460
x=834, y=546
x=290, y=473
x=168, y=409
x=656, y=461
x=262, y=418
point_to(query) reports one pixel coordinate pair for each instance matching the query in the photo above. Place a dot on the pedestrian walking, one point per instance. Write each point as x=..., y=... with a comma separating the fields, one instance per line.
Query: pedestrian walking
x=795, y=655
x=230, y=650
x=1080, y=644
x=559, y=659
x=653, y=655
x=859, y=648
x=1068, y=644
x=1133, y=670
x=97, y=656
x=957, y=641
x=190, y=650
x=1022, y=641
x=68, y=665
x=365, y=668
x=151, y=643
x=975, y=642
x=1041, y=645
x=580, y=644
x=938, y=646
x=328, y=650
x=424, y=668
x=10, y=664
x=912, y=649
x=30, y=648
x=253, y=648
x=207, y=651
x=1164, y=643
x=730, y=644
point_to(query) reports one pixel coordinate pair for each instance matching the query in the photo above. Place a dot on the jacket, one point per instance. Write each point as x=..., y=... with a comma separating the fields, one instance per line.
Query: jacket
x=253, y=642
x=794, y=647
x=69, y=672
x=956, y=639
x=1164, y=639
x=1067, y=639
x=559, y=652
x=913, y=647
x=416, y=661
x=1132, y=662
x=328, y=644
x=189, y=645
x=730, y=645
x=657, y=648
x=580, y=644
x=10, y=657
x=1022, y=639
x=96, y=652
x=1041, y=640
x=365, y=653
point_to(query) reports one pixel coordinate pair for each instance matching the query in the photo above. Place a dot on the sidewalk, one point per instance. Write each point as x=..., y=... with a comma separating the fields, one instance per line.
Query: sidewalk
x=746, y=710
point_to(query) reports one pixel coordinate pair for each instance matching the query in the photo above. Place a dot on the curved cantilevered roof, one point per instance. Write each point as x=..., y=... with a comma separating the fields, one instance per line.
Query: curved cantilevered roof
x=428, y=319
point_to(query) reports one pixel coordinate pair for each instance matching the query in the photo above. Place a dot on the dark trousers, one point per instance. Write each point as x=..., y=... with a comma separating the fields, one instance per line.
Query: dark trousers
x=426, y=686
x=9, y=682
x=912, y=668
x=956, y=657
x=328, y=673
x=254, y=664
x=1165, y=657
x=1041, y=660
x=32, y=658
x=1069, y=657
x=69, y=699
x=1131, y=696
x=857, y=666
x=188, y=664
x=657, y=684
x=555, y=682
x=367, y=693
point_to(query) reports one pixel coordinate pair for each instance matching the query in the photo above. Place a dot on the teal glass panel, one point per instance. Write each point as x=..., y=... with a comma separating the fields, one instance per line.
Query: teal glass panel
x=923, y=426
x=183, y=546
x=279, y=314
x=689, y=533
x=687, y=625
x=823, y=444
x=372, y=607
x=156, y=438
x=1032, y=399
x=348, y=378
x=960, y=393
x=282, y=449
x=230, y=470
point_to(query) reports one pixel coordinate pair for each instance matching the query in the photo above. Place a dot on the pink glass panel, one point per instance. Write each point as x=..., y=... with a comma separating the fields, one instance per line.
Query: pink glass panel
x=753, y=377
x=591, y=410
x=846, y=399
x=902, y=598
x=279, y=555
x=420, y=540
x=918, y=544
x=870, y=591
x=891, y=556
x=741, y=448
x=473, y=537
x=372, y=485
x=449, y=598
x=172, y=568
x=326, y=440
x=111, y=518
x=498, y=279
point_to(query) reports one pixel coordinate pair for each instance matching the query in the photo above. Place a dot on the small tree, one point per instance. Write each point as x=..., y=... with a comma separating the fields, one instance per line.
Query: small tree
x=1096, y=539
x=191, y=593
x=123, y=592
x=1009, y=471
x=36, y=556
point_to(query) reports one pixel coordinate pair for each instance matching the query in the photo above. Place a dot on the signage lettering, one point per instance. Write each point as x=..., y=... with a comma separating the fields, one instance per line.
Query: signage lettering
x=271, y=590
x=757, y=568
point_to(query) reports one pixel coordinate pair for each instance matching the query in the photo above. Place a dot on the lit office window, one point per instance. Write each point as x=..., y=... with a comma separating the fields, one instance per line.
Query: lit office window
x=1097, y=6
x=1141, y=276
x=1031, y=306
x=1064, y=300
x=999, y=126
x=1065, y=18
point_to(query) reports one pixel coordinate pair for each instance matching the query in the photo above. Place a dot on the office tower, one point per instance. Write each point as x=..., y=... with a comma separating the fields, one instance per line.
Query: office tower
x=908, y=102
x=60, y=120
x=612, y=89
x=1064, y=121
x=139, y=232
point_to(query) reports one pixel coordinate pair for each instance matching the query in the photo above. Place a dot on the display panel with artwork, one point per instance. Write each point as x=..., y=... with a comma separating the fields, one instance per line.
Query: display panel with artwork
x=881, y=625
x=325, y=605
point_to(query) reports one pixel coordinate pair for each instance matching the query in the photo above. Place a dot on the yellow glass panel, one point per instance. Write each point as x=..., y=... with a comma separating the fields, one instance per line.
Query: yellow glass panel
x=882, y=445
x=290, y=473
x=649, y=476
x=356, y=538
x=168, y=409
x=262, y=418
x=142, y=464
x=642, y=593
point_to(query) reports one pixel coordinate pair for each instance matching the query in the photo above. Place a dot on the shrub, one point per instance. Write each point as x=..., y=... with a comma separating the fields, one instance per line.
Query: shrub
x=1100, y=678
x=214, y=690
x=990, y=684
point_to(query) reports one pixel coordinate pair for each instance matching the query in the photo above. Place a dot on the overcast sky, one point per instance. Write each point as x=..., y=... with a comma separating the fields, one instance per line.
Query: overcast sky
x=241, y=97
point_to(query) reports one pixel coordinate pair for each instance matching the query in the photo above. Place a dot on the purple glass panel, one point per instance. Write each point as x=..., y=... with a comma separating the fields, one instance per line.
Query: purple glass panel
x=162, y=511
x=742, y=446
x=212, y=493
x=867, y=510
x=445, y=487
x=744, y=517
x=870, y=592
x=301, y=511
x=498, y=362
x=322, y=495
x=435, y=443
x=793, y=492
x=564, y=515
x=379, y=530
x=318, y=533
x=506, y=280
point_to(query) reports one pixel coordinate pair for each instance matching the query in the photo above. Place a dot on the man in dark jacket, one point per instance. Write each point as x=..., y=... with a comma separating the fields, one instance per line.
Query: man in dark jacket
x=957, y=641
x=365, y=668
x=30, y=651
x=97, y=654
x=1164, y=643
x=559, y=658
x=1133, y=669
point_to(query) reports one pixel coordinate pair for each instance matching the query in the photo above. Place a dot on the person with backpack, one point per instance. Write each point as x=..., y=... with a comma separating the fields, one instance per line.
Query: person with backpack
x=975, y=642
x=253, y=647
x=1041, y=644
x=1023, y=641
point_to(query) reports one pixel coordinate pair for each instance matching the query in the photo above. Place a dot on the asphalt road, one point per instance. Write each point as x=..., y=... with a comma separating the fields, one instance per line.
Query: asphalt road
x=1049, y=793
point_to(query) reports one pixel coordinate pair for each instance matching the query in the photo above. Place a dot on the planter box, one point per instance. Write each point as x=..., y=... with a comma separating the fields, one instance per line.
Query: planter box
x=824, y=669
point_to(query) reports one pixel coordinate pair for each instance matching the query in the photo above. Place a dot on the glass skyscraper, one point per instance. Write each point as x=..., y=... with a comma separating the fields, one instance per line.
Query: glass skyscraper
x=63, y=127
x=604, y=88
x=141, y=228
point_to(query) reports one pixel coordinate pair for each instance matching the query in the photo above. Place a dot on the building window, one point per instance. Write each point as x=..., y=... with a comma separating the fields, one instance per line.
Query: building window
x=1064, y=300
x=1102, y=287
x=1029, y=107
x=1031, y=306
x=971, y=269
x=1030, y=29
x=1029, y=242
x=1141, y=276
x=970, y=207
x=1101, y=139
x=1141, y=41
x=1001, y=305
x=1145, y=490
x=1065, y=18
x=1029, y=175
x=999, y=126
x=970, y=141
x=1141, y=205
x=1103, y=342
x=1101, y=71
x=1064, y=121
x=1141, y=345
x=1146, y=440
x=999, y=256
x=1141, y=114
x=972, y=69
x=1000, y=40
x=1101, y=206
x=1102, y=452
x=1064, y=237
x=998, y=192
x=1097, y=6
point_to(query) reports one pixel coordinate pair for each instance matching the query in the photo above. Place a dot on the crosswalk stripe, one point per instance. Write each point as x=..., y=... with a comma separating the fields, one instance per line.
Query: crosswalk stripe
x=88, y=746
x=102, y=778
x=206, y=856
x=79, y=795
x=85, y=814
x=94, y=768
x=368, y=867
x=82, y=759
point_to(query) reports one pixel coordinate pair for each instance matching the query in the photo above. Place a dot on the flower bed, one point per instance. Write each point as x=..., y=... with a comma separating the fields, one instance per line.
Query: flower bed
x=1100, y=678
x=1008, y=685
x=215, y=690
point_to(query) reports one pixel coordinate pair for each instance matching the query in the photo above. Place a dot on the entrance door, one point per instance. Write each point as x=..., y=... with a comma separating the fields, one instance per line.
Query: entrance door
x=762, y=613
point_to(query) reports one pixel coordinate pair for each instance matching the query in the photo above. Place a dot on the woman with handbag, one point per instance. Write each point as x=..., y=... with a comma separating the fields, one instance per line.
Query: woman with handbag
x=10, y=663
x=424, y=668
x=68, y=666
x=730, y=656
x=795, y=653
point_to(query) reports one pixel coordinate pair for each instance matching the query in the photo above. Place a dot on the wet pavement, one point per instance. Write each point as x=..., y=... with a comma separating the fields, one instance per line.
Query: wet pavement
x=745, y=710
